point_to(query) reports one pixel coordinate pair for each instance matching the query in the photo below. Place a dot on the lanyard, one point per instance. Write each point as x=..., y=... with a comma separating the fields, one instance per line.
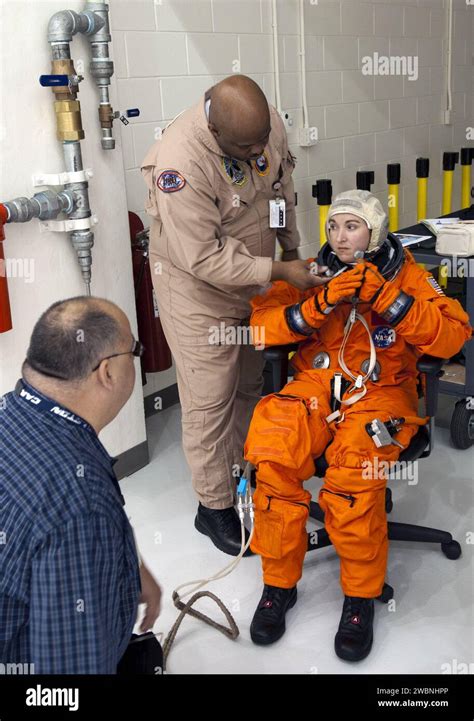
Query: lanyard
x=46, y=405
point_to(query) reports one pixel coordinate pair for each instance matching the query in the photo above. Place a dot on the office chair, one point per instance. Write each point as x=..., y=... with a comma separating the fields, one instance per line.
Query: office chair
x=420, y=447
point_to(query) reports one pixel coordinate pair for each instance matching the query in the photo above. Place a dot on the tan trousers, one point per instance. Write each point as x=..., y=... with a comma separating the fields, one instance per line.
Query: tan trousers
x=219, y=386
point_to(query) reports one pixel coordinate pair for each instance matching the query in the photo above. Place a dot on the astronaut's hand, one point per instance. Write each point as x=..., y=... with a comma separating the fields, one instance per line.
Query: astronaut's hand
x=372, y=284
x=344, y=285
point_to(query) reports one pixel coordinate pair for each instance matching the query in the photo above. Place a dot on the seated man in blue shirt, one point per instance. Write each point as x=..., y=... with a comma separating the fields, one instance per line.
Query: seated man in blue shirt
x=70, y=579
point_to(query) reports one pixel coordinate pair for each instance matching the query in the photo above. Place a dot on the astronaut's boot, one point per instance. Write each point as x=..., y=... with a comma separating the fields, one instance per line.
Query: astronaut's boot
x=268, y=623
x=353, y=640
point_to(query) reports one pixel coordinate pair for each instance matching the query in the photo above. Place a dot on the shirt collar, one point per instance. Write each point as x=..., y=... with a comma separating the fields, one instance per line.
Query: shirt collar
x=201, y=129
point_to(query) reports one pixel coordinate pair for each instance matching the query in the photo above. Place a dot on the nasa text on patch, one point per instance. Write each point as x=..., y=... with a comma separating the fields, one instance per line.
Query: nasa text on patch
x=169, y=181
x=383, y=336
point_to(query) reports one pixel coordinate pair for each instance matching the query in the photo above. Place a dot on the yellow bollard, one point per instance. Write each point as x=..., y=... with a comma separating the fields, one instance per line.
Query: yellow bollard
x=393, y=180
x=422, y=174
x=364, y=179
x=443, y=276
x=467, y=155
x=449, y=163
x=322, y=191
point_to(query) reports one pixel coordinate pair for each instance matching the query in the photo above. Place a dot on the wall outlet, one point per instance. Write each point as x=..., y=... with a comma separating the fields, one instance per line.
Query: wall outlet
x=288, y=120
x=308, y=137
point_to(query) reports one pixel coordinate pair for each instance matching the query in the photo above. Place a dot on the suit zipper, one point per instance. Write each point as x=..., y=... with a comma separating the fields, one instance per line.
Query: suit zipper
x=346, y=497
x=295, y=503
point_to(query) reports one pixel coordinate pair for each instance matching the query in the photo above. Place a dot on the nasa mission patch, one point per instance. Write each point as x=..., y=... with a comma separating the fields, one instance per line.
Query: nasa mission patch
x=384, y=336
x=262, y=165
x=169, y=181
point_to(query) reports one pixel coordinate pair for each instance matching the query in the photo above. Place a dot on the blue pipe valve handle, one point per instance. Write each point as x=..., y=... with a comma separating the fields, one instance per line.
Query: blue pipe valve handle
x=49, y=81
x=130, y=113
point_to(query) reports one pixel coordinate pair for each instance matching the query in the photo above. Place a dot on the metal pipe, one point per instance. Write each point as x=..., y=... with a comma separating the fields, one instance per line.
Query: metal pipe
x=102, y=69
x=62, y=27
x=66, y=23
x=82, y=240
x=45, y=205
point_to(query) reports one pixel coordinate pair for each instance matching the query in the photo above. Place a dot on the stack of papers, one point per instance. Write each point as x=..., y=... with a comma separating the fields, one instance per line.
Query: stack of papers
x=436, y=224
x=410, y=239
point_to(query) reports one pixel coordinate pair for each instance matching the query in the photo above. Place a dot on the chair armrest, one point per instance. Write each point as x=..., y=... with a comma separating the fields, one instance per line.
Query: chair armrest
x=277, y=355
x=277, y=352
x=430, y=364
x=432, y=368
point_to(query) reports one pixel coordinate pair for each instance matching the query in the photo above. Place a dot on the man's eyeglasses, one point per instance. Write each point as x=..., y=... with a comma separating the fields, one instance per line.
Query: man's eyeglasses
x=138, y=350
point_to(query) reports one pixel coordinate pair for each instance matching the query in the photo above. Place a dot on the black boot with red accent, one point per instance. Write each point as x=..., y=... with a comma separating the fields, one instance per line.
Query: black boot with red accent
x=354, y=637
x=268, y=623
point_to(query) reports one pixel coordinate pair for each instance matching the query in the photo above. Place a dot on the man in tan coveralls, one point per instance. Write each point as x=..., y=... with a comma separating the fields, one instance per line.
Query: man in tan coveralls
x=211, y=177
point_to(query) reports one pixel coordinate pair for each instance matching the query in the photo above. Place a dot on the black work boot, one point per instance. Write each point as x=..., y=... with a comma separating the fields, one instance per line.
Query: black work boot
x=354, y=637
x=223, y=528
x=268, y=623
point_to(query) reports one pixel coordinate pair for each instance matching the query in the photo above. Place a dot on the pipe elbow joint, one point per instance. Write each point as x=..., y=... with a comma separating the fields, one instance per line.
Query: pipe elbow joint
x=62, y=26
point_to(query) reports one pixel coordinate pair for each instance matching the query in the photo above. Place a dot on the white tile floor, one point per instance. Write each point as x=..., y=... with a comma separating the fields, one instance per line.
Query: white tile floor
x=431, y=624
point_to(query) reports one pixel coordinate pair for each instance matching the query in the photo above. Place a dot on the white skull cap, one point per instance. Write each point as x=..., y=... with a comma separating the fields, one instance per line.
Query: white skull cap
x=366, y=206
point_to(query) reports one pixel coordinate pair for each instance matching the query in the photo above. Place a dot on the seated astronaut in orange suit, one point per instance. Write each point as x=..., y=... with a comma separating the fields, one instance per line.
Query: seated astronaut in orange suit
x=359, y=337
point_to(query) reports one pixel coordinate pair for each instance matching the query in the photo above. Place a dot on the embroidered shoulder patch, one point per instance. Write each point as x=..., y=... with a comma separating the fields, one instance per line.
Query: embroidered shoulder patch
x=384, y=336
x=262, y=165
x=169, y=181
x=234, y=171
x=435, y=286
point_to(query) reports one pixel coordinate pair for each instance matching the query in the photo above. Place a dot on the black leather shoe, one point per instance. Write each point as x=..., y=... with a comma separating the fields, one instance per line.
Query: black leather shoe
x=354, y=638
x=268, y=623
x=223, y=528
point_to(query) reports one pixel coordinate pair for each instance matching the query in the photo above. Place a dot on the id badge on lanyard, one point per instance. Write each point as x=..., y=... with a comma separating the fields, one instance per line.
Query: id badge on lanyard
x=277, y=213
x=277, y=206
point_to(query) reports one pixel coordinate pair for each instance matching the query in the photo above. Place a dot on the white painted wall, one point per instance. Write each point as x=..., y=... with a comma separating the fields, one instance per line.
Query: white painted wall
x=169, y=52
x=28, y=144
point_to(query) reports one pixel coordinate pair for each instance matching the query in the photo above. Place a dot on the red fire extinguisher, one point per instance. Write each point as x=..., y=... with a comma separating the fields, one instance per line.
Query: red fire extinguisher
x=5, y=312
x=157, y=356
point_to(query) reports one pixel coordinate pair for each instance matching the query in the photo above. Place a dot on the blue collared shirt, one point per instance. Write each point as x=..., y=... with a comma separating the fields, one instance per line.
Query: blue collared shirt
x=69, y=572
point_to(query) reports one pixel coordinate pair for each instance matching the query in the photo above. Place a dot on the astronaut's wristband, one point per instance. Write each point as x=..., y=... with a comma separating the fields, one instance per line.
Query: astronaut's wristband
x=296, y=321
x=326, y=307
x=398, y=309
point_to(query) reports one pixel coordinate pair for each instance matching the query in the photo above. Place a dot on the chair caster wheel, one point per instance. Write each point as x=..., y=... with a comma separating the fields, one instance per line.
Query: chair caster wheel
x=451, y=550
x=386, y=595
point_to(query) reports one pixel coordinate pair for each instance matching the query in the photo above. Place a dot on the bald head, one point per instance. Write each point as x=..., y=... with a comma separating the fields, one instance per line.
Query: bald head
x=239, y=117
x=72, y=336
